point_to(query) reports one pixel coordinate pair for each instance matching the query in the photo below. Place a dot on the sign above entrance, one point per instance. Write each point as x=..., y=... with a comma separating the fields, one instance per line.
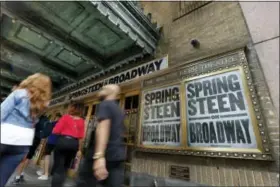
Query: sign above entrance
x=123, y=77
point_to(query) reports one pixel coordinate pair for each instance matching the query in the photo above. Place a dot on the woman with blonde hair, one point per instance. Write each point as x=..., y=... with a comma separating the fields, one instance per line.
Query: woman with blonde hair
x=19, y=114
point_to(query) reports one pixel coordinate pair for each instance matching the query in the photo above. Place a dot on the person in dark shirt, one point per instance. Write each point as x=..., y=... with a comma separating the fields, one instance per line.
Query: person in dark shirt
x=105, y=155
x=44, y=175
x=42, y=130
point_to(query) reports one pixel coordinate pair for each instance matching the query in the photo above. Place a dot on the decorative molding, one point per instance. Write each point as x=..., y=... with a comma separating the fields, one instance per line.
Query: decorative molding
x=119, y=15
x=7, y=54
x=126, y=17
x=137, y=72
x=53, y=38
x=10, y=75
x=96, y=75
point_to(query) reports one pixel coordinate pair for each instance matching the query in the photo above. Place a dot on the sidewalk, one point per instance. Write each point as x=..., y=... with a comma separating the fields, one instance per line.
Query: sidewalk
x=31, y=179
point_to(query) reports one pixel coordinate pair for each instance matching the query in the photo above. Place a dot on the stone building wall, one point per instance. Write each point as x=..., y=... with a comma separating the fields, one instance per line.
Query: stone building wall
x=220, y=27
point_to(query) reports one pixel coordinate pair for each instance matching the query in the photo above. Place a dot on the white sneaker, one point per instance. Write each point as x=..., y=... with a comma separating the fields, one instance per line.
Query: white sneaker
x=43, y=177
x=39, y=173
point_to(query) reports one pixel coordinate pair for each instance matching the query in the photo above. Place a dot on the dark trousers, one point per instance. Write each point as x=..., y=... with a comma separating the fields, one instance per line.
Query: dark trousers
x=48, y=151
x=10, y=158
x=86, y=177
x=65, y=151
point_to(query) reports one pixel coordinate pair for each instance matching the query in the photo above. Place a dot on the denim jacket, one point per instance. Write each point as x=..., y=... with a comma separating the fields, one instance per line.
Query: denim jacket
x=15, y=109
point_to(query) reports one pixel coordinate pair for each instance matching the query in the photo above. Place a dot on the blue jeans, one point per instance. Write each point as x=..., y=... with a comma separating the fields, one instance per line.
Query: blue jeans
x=10, y=158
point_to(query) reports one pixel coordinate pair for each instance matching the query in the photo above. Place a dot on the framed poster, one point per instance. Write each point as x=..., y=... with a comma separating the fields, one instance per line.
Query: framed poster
x=219, y=113
x=160, y=121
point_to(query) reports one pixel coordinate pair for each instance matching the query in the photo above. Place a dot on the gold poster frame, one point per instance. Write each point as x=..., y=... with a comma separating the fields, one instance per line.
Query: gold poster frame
x=252, y=115
x=183, y=130
x=213, y=66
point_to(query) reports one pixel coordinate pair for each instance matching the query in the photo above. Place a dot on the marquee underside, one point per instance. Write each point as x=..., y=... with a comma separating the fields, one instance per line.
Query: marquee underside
x=72, y=42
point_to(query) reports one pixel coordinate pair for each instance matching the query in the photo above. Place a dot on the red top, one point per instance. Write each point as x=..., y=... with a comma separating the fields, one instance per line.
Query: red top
x=68, y=126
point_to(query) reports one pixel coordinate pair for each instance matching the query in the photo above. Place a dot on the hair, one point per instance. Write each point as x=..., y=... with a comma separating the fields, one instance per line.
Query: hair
x=39, y=87
x=76, y=108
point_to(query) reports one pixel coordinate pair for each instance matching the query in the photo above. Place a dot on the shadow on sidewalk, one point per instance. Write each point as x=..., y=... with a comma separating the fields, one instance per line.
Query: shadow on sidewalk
x=31, y=179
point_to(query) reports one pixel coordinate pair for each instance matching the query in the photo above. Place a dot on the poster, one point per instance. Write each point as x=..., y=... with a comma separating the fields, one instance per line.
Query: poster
x=217, y=112
x=161, y=122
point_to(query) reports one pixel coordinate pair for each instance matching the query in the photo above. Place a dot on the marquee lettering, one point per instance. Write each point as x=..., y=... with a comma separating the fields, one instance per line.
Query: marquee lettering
x=123, y=77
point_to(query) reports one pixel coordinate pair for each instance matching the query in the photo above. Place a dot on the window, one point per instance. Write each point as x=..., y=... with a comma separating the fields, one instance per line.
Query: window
x=127, y=104
x=85, y=112
x=131, y=102
x=93, y=109
x=135, y=101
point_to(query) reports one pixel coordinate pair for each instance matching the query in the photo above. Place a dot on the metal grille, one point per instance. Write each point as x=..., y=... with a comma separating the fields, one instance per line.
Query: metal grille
x=186, y=7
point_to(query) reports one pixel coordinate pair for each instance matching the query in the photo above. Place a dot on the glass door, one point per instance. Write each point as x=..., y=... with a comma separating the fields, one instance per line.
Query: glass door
x=131, y=103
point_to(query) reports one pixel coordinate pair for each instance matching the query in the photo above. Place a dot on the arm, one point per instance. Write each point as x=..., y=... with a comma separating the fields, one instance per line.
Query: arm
x=59, y=126
x=102, y=135
x=102, y=129
x=8, y=104
x=81, y=135
x=80, y=145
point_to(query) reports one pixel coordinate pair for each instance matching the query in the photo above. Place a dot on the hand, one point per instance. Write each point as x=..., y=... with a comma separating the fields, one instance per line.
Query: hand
x=79, y=154
x=99, y=168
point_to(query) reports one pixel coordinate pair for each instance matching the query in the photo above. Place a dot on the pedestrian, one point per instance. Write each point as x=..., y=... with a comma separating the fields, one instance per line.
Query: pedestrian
x=70, y=129
x=42, y=131
x=48, y=151
x=106, y=154
x=19, y=114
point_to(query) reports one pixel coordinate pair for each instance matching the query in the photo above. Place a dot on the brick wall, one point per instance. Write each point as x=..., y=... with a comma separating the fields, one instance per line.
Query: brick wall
x=216, y=172
x=220, y=27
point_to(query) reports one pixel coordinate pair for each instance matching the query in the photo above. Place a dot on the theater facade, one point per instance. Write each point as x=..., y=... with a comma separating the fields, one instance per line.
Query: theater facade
x=202, y=103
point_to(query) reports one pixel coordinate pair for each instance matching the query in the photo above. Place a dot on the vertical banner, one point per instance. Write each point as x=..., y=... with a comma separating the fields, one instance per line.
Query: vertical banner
x=160, y=119
x=218, y=112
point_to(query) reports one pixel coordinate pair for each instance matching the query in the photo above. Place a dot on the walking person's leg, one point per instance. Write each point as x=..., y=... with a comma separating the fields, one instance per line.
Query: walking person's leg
x=85, y=174
x=46, y=167
x=11, y=156
x=59, y=161
x=25, y=162
x=64, y=153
